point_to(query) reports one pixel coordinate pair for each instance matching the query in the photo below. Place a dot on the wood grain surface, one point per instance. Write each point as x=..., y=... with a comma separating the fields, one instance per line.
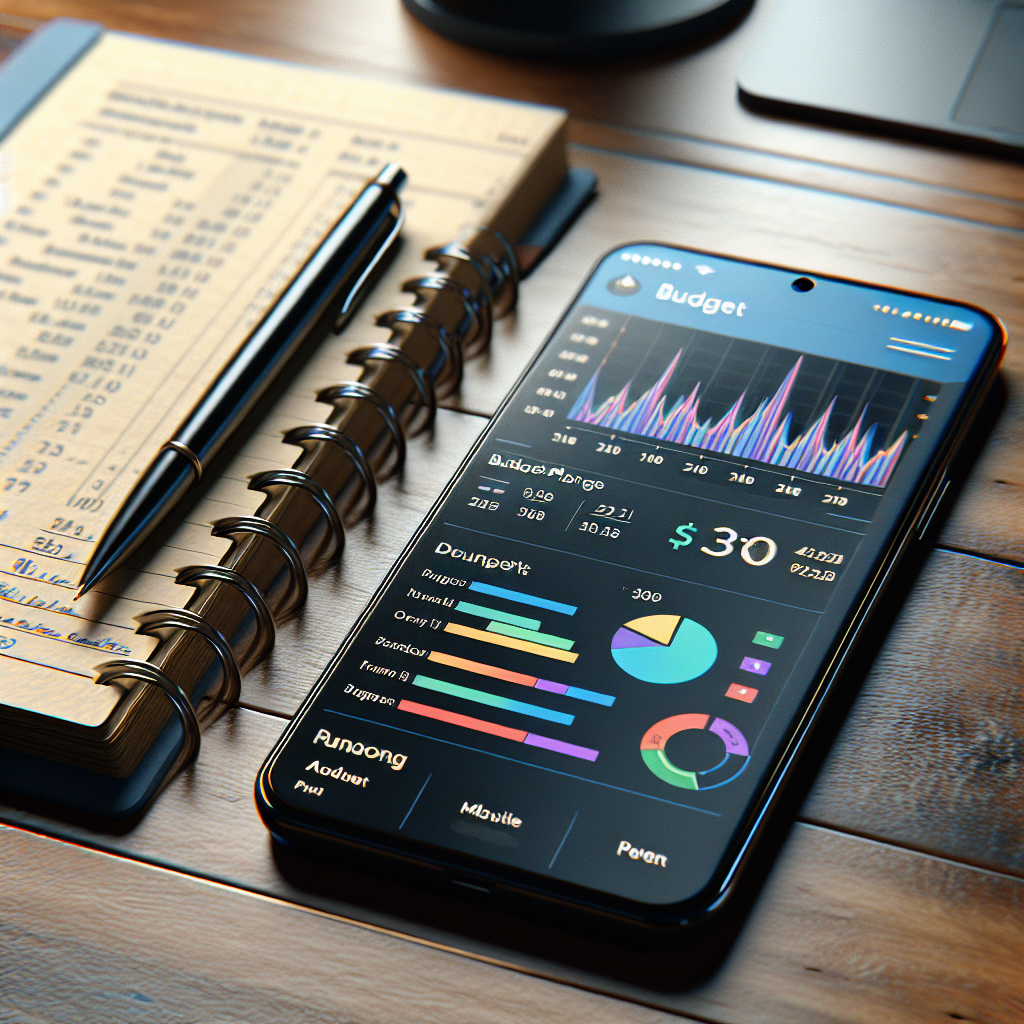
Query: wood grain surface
x=846, y=930
x=78, y=931
x=897, y=895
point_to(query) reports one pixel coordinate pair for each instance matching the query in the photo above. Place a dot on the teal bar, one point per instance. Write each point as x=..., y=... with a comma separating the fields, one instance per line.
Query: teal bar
x=492, y=700
x=491, y=613
x=531, y=634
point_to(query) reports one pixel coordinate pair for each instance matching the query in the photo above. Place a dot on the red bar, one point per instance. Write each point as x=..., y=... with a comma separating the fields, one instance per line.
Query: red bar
x=464, y=720
x=481, y=669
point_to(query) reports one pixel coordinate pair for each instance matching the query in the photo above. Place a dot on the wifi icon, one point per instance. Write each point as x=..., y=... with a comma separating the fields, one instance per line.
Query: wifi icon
x=703, y=268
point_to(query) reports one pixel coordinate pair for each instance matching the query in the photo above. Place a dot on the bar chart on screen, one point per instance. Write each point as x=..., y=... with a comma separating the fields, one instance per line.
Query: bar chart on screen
x=513, y=631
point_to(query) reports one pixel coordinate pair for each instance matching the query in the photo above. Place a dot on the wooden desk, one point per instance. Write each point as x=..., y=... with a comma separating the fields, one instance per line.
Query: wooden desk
x=899, y=895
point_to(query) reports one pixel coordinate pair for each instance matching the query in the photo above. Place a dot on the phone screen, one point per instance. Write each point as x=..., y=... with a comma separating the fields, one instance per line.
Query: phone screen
x=590, y=661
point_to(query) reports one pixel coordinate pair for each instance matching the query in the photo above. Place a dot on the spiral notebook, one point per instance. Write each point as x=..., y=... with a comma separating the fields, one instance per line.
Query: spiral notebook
x=156, y=199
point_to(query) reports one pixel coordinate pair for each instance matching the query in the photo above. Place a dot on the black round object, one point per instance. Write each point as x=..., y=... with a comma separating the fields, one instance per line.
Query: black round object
x=575, y=28
x=802, y=284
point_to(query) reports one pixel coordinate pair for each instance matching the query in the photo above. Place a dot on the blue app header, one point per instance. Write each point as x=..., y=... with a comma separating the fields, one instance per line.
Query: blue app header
x=920, y=337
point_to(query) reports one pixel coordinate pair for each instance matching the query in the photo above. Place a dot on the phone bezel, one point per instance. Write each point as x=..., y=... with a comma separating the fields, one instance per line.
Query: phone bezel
x=292, y=825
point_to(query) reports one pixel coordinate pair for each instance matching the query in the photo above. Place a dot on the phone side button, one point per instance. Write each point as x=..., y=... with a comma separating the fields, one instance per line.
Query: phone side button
x=932, y=507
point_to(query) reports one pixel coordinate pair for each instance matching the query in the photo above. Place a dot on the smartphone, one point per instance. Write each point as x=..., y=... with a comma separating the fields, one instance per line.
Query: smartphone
x=592, y=669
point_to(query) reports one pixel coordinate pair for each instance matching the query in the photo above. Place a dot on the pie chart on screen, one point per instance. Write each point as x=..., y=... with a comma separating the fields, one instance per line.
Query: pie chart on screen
x=664, y=649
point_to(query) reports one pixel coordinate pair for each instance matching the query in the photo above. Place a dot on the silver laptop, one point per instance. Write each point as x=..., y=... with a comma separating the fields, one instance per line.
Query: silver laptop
x=942, y=70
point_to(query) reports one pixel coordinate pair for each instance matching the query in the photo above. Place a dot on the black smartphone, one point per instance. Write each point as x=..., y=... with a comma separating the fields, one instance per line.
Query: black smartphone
x=591, y=670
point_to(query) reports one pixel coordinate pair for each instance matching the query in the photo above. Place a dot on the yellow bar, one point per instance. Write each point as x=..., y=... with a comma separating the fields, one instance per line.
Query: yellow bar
x=510, y=641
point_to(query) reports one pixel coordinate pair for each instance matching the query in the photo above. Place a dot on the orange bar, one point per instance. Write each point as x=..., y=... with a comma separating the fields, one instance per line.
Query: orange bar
x=464, y=720
x=481, y=669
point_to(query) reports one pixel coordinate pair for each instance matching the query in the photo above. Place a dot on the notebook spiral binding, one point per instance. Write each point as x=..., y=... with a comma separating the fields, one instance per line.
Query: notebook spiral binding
x=229, y=623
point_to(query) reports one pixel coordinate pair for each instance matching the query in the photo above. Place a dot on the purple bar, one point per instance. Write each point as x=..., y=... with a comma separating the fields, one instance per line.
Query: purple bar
x=571, y=749
x=546, y=684
x=754, y=665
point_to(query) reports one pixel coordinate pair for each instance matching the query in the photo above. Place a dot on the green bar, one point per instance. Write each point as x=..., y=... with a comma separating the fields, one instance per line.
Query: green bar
x=491, y=613
x=530, y=634
x=768, y=639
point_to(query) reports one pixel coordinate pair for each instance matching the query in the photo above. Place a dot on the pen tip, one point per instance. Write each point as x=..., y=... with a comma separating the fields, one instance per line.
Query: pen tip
x=89, y=580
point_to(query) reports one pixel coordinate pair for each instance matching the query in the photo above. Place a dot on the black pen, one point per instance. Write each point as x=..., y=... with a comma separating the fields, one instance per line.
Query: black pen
x=335, y=276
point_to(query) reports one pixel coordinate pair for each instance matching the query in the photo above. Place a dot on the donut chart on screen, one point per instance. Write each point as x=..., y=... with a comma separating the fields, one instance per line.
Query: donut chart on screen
x=664, y=649
x=735, y=759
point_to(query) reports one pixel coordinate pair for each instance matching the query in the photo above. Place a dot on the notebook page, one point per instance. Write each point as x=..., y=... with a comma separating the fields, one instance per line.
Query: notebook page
x=158, y=199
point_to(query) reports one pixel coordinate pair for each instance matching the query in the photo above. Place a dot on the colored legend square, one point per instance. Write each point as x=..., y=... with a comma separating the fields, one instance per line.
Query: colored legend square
x=768, y=639
x=754, y=665
x=744, y=693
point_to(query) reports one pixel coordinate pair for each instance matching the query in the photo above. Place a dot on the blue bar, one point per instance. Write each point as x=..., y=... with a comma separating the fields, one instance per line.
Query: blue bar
x=592, y=695
x=515, y=595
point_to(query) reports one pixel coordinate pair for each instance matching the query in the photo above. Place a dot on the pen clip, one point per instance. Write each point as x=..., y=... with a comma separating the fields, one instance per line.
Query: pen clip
x=382, y=250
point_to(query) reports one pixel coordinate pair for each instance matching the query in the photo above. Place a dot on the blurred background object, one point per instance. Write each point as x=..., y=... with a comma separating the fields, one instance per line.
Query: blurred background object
x=576, y=28
x=951, y=73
